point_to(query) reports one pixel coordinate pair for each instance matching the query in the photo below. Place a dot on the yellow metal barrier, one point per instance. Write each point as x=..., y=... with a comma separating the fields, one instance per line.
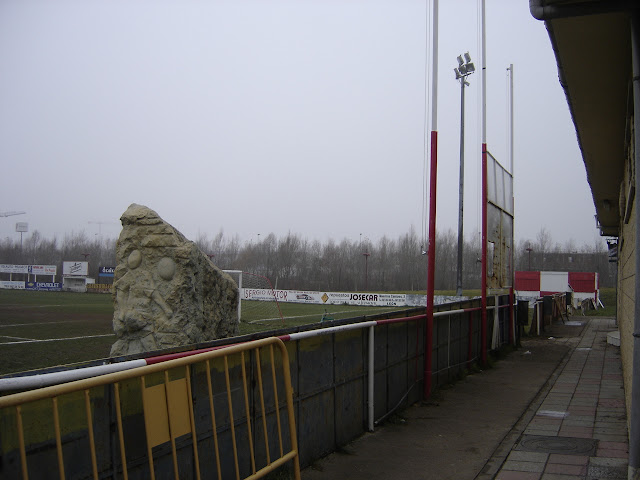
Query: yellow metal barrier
x=158, y=399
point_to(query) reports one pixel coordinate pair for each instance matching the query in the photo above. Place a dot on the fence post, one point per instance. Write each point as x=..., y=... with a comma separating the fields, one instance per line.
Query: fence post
x=470, y=344
x=371, y=377
x=512, y=325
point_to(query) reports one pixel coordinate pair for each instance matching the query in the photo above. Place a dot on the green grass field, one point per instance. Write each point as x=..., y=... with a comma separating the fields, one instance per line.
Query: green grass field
x=44, y=329
x=41, y=329
x=608, y=299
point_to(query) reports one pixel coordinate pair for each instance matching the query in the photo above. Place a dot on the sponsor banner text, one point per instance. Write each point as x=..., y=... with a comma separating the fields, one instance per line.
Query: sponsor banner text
x=46, y=286
x=12, y=285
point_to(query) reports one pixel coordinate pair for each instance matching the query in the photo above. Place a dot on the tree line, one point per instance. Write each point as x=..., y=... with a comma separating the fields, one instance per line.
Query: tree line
x=295, y=262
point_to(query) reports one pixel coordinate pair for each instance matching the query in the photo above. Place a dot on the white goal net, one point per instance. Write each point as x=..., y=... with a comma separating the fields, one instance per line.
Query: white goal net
x=258, y=299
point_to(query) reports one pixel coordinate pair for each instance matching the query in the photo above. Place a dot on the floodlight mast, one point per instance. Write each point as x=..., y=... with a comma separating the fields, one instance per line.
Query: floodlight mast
x=464, y=69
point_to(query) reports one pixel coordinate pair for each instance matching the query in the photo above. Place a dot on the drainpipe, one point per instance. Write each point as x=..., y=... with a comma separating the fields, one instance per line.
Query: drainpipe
x=634, y=423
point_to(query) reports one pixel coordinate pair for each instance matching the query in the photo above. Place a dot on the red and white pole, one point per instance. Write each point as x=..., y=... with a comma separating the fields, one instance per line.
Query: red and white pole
x=433, y=177
x=483, y=327
x=512, y=299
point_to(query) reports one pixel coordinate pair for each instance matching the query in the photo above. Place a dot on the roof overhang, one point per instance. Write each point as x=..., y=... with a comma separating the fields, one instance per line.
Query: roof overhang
x=592, y=44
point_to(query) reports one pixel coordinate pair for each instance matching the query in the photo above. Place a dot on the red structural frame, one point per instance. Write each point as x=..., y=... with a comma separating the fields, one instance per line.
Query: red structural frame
x=483, y=326
x=431, y=259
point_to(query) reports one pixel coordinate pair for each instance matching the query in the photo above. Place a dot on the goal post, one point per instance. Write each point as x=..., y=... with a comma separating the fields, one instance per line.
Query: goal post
x=257, y=299
x=236, y=275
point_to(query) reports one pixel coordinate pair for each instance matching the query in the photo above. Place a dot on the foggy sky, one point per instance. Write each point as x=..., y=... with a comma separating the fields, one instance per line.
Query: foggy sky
x=266, y=116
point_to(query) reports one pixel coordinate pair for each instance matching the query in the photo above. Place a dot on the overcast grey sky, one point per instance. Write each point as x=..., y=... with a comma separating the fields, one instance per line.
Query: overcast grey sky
x=273, y=116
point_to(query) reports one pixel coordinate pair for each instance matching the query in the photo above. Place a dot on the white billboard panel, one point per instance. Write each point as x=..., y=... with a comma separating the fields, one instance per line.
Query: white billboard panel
x=5, y=268
x=12, y=285
x=78, y=269
x=342, y=298
x=499, y=185
x=43, y=269
x=554, y=281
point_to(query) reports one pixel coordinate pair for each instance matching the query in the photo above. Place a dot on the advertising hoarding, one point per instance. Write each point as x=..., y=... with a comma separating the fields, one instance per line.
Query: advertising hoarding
x=43, y=286
x=106, y=271
x=6, y=268
x=75, y=269
x=343, y=298
x=43, y=269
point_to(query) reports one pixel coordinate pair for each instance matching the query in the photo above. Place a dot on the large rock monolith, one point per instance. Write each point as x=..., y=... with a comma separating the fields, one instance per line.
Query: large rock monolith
x=167, y=292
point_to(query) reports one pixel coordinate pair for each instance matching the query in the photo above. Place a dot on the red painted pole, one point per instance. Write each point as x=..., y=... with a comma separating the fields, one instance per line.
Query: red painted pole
x=470, y=345
x=431, y=258
x=431, y=247
x=483, y=325
x=511, y=317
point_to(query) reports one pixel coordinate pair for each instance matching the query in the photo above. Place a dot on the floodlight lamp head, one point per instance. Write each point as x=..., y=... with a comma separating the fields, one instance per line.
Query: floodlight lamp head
x=458, y=76
x=462, y=69
x=467, y=57
x=470, y=67
x=460, y=61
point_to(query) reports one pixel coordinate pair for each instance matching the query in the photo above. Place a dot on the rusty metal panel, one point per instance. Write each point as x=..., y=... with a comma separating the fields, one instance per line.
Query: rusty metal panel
x=499, y=225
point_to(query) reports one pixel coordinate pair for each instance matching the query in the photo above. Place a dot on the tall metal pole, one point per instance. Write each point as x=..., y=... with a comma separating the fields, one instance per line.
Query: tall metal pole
x=461, y=192
x=511, y=114
x=464, y=69
x=366, y=270
x=431, y=250
x=513, y=210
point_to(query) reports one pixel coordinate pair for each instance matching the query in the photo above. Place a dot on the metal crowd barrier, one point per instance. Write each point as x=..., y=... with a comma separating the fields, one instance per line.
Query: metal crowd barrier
x=160, y=419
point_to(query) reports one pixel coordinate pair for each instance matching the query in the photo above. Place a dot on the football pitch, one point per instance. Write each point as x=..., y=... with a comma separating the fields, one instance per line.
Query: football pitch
x=46, y=329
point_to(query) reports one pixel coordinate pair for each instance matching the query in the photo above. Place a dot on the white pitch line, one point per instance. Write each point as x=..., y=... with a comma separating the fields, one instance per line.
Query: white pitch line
x=38, y=323
x=21, y=305
x=288, y=318
x=18, y=338
x=59, y=339
x=302, y=316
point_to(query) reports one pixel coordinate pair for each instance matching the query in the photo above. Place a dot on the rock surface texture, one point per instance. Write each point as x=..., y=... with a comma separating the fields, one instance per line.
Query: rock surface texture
x=167, y=292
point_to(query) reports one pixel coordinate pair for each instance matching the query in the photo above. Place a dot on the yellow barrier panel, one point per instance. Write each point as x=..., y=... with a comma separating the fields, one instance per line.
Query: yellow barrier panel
x=99, y=287
x=163, y=395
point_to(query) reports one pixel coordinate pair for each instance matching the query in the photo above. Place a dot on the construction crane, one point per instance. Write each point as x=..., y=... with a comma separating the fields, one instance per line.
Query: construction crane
x=100, y=225
x=9, y=214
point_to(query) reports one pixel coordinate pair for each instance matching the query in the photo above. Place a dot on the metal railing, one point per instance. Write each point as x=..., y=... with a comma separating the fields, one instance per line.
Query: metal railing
x=368, y=368
x=548, y=309
x=159, y=401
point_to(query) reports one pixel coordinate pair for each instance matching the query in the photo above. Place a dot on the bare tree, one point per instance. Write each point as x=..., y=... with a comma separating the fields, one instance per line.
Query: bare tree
x=294, y=262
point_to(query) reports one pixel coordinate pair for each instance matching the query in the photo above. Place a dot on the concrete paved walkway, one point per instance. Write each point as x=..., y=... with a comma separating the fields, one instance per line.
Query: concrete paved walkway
x=552, y=410
x=577, y=427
